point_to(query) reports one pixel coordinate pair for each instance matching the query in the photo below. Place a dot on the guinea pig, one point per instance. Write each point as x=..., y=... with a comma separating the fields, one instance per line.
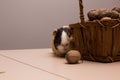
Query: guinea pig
x=61, y=39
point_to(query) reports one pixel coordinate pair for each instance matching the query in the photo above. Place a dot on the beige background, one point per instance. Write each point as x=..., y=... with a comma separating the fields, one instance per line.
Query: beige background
x=29, y=23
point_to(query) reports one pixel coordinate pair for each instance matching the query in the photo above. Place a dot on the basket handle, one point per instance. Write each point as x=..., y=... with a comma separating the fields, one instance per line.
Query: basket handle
x=81, y=11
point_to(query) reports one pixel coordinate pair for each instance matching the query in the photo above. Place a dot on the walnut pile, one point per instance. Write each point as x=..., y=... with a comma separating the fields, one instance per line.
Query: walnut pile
x=103, y=14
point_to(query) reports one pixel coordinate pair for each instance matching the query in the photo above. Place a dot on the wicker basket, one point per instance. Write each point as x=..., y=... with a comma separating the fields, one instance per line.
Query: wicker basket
x=97, y=40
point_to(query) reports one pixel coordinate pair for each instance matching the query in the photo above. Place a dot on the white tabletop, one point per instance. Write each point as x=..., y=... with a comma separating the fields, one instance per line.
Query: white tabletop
x=40, y=64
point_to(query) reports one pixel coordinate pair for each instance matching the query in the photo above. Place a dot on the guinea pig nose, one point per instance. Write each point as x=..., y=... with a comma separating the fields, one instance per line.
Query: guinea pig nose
x=64, y=45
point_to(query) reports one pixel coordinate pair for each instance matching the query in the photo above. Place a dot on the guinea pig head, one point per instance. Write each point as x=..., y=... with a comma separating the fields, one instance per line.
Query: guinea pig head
x=62, y=39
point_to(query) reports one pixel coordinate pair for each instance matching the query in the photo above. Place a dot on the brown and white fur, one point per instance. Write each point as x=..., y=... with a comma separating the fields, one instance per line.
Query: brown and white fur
x=61, y=41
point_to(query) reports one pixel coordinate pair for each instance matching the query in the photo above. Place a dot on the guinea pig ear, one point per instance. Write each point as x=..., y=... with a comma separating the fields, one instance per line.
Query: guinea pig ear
x=54, y=32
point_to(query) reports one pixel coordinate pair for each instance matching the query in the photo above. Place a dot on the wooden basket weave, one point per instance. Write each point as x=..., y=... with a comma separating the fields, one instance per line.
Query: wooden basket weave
x=97, y=40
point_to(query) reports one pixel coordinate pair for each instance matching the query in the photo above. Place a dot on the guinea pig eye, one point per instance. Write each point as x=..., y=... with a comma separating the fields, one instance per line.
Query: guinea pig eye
x=68, y=32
